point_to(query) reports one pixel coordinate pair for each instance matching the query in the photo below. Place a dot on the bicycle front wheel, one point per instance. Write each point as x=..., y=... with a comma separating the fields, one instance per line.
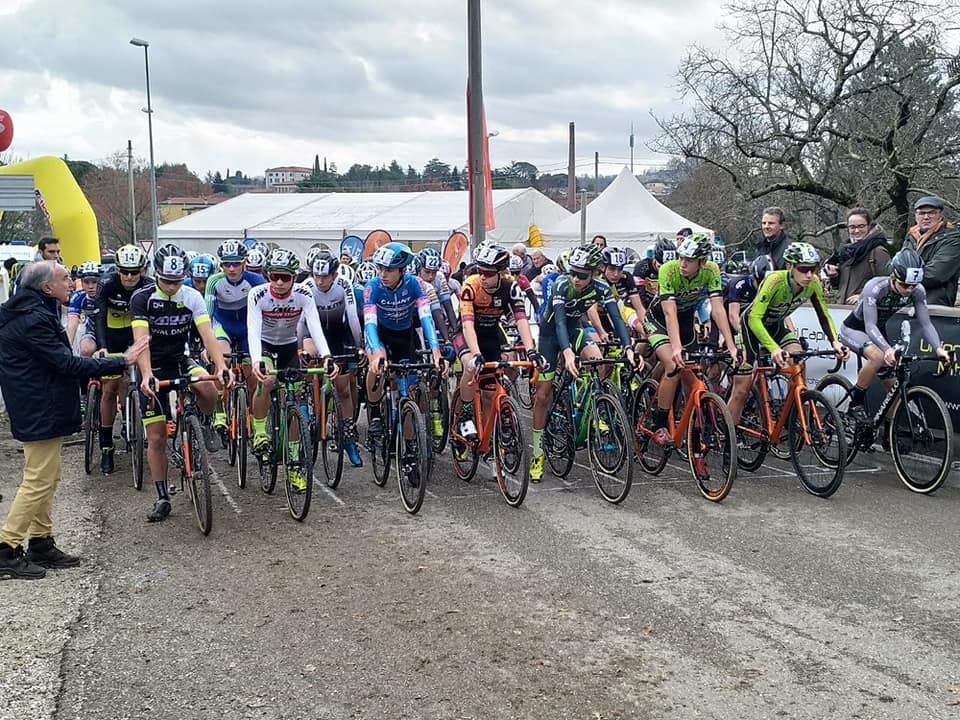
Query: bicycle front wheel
x=330, y=429
x=240, y=434
x=921, y=440
x=138, y=437
x=610, y=447
x=198, y=478
x=652, y=457
x=836, y=389
x=818, y=444
x=558, y=435
x=379, y=444
x=464, y=451
x=413, y=456
x=510, y=453
x=297, y=464
x=712, y=447
x=268, y=462
x=91, y=429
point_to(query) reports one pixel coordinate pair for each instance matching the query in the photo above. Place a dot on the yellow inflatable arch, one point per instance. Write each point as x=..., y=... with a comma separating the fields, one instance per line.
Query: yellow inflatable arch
x=60, y=198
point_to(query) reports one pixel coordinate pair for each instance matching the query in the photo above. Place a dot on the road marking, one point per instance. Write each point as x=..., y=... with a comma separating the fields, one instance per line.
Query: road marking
x=223, y=489
x=328, y=491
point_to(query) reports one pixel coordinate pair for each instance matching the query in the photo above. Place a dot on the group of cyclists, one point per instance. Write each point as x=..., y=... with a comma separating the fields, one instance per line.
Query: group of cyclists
x=263, y=305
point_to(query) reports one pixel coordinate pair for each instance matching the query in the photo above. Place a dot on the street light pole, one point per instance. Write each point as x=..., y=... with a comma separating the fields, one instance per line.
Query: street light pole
x=133, y=204
x=149, y=110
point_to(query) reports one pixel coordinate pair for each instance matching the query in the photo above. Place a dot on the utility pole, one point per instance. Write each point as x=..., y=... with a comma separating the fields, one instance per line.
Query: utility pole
x=133, y=204
x=475, y=125
x=583, y=217
x=572, y=174
x=631, y=148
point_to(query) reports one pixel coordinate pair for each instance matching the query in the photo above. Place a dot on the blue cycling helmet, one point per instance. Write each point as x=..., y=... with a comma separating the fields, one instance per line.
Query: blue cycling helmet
x=393, y=255
x=201, y=267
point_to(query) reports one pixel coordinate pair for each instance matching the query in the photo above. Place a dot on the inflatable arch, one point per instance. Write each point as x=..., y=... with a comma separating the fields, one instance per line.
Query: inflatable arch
x=60, y=198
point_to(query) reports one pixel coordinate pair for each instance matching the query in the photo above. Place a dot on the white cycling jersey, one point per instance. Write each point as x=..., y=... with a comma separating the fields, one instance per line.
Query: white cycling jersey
x=337, y=309
x=274, y=319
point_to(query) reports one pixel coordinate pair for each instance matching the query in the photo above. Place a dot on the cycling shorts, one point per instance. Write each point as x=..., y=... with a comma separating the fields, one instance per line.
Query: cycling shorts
x=548, y=346
x=751, y=348
x=856, y=340
x=288, y=355
x=657, y=332
x=159, y=410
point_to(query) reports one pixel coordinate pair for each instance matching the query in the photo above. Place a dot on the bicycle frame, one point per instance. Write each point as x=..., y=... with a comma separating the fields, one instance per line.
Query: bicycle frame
x=485, y=421
x=796, y=384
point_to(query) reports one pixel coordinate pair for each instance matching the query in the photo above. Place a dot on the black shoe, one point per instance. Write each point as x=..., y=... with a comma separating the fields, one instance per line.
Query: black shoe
x=375, y=432
x=43, y=551
x=16, y=565
x=161, y=508
x=106, y=460
x=859, y=414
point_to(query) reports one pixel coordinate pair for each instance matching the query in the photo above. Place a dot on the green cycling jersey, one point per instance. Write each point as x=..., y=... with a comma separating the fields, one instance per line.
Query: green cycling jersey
x=779, y=296
x=686, y=292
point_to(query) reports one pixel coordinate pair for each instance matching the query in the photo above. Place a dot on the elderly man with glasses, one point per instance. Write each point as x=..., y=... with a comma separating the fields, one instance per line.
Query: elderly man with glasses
x=938, y=243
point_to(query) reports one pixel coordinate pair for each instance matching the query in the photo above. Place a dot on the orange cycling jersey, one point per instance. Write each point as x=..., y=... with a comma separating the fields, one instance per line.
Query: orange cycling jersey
x=484, y=308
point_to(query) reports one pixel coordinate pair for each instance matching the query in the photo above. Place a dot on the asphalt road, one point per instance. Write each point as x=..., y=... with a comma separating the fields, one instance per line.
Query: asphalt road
x=773, y=603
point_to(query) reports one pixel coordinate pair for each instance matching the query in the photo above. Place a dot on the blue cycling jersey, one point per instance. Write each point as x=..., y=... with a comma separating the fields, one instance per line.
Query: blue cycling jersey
x=82, y=305
x=395, y=310
x=227, y=301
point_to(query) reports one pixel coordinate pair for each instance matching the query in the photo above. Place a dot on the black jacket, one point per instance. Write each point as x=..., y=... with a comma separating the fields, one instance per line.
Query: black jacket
x=774, y=248
x=941, y=263
x=39, y=375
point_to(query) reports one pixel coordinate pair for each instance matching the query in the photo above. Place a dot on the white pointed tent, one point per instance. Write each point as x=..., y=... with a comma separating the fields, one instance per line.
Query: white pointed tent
x=625, y=213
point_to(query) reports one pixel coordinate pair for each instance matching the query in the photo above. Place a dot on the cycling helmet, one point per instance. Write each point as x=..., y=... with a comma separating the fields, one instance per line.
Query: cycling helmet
x=696, y=246
x=516, y=264
x=665, y=250
x=232, y=251
x=759, y=268
x=429, y=259
x=255, y=259
x=801, y=253
x=88, y=270
x=214, y=262
x=201, y=267
x=170, y=263
x=282, y=260
x=313, y=253
x=585, y=257
x=612, y=257
x=366, y=272
x=718, y=255
x=907, y=267
x=416, y=265
x=324, y=262
x=191, y=254
x=562, y=261
x=393, y=255
x=262, y=247
x=491, y=256
x=130, y=257
x=347, y=273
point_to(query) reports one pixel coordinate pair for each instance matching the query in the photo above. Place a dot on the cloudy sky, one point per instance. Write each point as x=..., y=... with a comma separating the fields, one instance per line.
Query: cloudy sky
x=250, y=84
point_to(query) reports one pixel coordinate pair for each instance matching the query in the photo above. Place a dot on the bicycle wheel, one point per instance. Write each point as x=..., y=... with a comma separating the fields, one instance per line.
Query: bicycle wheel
x=921, y=440
x=268, y=464
x=91, y=428
x=752, y=440
x=240, y=436
x=412, y=456
x=610, y=448
x=197, y=476
x=138, y=436
x=329, y=424
x=442, y=412
x=652, y=457
x=818, y=444
x=526, y=388
x=464, y=451
x=777, y=388
x=558, y=439
x=229, y=400
x=711, y=442
x=380, y=445
x=298, y=464
x=510, y=453
x=836, y=389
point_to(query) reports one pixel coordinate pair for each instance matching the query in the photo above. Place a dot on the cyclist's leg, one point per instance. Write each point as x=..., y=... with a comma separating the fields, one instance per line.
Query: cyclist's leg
x=660, y=344
x=205, y=391
x=872, y=355
x=219, y=416
x=541, y=403
x=154, y=424
x=748, y=349
x=261, y=404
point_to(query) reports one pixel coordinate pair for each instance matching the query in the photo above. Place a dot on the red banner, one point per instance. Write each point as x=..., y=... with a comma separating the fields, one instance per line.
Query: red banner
x=489, y=220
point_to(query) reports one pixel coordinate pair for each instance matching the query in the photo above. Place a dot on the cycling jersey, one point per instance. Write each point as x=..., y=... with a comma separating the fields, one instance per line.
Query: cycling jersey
x=779, y=296
x=566, y=307
x=83, y=305
x=623, y=289
x=741, y=290
x=686, y=292
x=485, y=308
x=113, y=321
x=227, y=303
x=273, y=320
x=646, y=276
x=395, y=310
x=879, y=301
x=337, y=311
x=169, y=319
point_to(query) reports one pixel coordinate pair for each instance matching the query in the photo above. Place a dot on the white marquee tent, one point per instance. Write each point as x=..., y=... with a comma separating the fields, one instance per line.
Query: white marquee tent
x=625, y=213
x=298, y=220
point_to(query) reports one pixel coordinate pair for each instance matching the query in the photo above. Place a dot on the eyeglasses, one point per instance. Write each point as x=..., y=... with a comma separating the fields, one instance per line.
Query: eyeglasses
x=280, y=277
x=128, y=273
x=231, y=265
x=486, y=272
x=806, y=269
x=580, y=274
x=856, y=227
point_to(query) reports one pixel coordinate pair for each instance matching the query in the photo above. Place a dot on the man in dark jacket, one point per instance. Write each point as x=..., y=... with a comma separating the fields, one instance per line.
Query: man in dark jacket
x=773, y=237
x=39, y=377
x=938, y=243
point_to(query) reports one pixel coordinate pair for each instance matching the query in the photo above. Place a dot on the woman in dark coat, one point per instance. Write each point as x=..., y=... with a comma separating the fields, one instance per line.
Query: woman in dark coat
x=865, y=256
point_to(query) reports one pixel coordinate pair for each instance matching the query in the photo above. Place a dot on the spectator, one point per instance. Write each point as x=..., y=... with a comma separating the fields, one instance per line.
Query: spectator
x=39, y=377
x=600, y=241
x=460, y=274
x=864, y=257
x=938, y=243
x=773, y=238
x=683, y=233
x=49, y=249
x=537, y=262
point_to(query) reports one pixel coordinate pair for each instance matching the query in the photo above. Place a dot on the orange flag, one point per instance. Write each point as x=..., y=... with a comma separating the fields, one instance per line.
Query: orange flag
x=489, y=220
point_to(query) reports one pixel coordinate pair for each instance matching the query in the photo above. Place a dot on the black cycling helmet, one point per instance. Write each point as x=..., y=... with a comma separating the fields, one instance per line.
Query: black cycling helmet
x=170, y=263
x=614, y=258
x=664, y=251
x=759, y=268
x=907, y=267
x=324, y=263
x=490, y=256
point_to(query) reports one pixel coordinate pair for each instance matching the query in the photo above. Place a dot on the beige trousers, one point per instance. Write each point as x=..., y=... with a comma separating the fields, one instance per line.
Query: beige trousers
x=30, y=513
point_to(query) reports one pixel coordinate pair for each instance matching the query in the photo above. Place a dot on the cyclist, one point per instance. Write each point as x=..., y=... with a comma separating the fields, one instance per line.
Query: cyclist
x=428, y=270
x=274, y=311
x=561, y=333
x=742, y=291
x=201, y=269
x=764, y=322
x=485, y=298
x=515, y=267
x=646, y=272
x=624, y=289
x=83, y=304
x=166, y=313
x=863, y=329
x=669, y=325
x=114, y=336
x=391, y=304
x=335, y=302
x=255, y=260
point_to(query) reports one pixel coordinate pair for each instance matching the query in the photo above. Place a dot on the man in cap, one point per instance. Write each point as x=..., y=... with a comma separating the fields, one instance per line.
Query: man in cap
x=938, y=243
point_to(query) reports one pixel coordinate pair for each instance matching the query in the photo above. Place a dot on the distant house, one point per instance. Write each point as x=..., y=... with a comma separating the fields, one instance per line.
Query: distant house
x=175, y=208
x=283, y=187
x=285, y=176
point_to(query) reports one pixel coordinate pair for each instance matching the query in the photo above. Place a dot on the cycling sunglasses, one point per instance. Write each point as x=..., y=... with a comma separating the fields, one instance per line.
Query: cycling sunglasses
x=129, y=273
x=487, y=273
x=280, y=277
x=580, y=274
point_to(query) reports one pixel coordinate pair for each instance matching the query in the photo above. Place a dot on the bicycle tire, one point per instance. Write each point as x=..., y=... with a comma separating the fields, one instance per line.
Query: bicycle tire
x=558, y=434
x=443, y=408
x=380, y=447
x=510, y=453
x=229, y=400
x=711, y=434
x=198, y=479
x=269, y=465
x=463, y=467
x=939, y=460
x=823, y=423
x=608, y=410
x=412, y=490
x=139, y=444
x=752, y=446
x=836, y=389
x=330, y=435
x=298, y=500
x=91, y=428
x=241, y=426
x=652, y=457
